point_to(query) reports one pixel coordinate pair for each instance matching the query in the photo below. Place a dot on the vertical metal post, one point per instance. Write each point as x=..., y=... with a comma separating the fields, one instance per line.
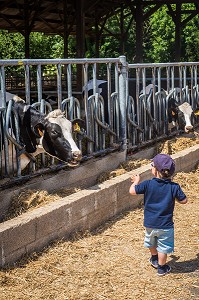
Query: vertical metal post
x=39, y=83
x=27, y=83
x=191, y=85
x=115, y=115
x=110, y=104
x=168, y=79
x=123, y=100
x=180, y=82
x=3, y=94
x=138, y=106
x=70, y=97
x=59, y=86
x=3, y=86
x=154, y=97
x=172, y=77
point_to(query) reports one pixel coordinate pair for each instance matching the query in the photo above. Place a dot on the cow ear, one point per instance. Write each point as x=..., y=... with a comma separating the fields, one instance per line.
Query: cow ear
x=39, y=130
x=196, y=112
x=173, y=113
x=78, y=124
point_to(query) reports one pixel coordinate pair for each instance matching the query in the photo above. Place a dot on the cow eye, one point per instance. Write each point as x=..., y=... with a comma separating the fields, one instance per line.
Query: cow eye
x=55, y=132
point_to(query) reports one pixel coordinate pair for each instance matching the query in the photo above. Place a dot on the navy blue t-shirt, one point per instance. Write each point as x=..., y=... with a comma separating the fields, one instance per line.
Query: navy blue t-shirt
x=159, y=201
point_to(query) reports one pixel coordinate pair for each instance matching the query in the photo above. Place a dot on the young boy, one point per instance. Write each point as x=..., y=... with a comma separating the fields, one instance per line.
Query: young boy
x=159, y=201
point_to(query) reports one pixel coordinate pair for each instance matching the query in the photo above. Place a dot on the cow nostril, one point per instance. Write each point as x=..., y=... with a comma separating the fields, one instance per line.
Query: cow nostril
x=77, y=155
x=188, y=128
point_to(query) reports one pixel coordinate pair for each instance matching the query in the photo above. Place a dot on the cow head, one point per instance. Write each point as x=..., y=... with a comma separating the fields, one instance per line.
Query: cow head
x=58, y=139
x=181, y=114
x=185, y=117
x=52, y=133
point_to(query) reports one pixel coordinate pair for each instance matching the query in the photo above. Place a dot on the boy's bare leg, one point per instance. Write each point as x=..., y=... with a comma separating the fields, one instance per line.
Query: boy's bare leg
x=153, y=251
x=162, y=258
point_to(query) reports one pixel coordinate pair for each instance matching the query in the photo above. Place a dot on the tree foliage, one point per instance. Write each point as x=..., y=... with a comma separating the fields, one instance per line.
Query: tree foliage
x=159, y=42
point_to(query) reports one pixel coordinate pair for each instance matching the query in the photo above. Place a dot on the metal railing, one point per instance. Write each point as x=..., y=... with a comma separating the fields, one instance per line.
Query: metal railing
x=124, y=106
x=102, y=114
x=150, y=86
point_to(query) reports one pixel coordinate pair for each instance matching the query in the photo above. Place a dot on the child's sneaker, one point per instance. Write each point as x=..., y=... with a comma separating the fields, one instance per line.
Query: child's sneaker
x=154, y=261
x=163, y=270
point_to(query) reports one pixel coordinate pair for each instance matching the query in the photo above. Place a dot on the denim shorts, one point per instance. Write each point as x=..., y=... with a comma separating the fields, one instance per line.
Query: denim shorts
x=162, y=239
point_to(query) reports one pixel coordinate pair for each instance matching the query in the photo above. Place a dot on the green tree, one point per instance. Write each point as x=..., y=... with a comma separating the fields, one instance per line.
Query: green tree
x=191, y=40
x=159, y=42
x=11, y=45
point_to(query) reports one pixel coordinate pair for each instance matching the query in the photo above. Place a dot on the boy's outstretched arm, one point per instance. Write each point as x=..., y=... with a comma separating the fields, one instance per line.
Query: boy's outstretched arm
x=135, y=179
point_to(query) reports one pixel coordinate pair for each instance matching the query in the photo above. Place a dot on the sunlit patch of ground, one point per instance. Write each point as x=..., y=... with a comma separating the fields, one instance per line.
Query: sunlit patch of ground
x=111, y=262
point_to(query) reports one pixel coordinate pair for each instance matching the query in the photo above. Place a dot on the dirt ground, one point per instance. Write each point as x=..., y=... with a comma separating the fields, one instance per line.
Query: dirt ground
x=111, y=263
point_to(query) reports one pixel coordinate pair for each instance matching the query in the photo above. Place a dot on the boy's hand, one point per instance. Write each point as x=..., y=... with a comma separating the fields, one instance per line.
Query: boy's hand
x=135, y=179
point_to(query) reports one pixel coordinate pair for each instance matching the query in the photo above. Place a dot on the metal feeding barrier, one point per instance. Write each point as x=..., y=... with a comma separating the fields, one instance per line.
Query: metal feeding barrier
x=123, y=106
x=101, y=114
x=149, y=88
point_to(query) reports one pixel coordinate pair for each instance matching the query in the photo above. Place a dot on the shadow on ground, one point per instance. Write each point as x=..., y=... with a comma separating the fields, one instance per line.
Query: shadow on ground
x=187, y=266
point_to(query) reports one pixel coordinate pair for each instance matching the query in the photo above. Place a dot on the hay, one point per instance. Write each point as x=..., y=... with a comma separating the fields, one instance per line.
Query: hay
x=111, y=263
x=29, y=199
x=123, y=168
x=177, y=144
x=167, y=147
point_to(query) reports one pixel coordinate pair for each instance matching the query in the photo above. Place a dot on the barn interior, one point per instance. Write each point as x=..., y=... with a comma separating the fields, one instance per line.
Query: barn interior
x=87, y=18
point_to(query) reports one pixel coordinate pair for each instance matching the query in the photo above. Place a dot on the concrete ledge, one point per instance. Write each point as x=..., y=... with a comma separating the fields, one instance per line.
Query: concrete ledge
x=83, y=176
x=83, y=210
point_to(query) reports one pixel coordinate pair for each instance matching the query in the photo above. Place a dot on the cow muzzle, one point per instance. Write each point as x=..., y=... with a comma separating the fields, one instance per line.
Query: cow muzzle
x=76, y=158
x=188, y=128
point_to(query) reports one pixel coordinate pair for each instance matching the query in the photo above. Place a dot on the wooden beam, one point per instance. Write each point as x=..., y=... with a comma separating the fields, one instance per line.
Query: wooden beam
x=80, y=40
x=139, y=34
x=66, y=33
x=26, y=29
x=80, y=28
x=178, y=33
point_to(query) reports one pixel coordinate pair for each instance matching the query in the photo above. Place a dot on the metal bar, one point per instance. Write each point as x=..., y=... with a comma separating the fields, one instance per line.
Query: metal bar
x=39, y=84
x=27, y=83
x=3, y=87
x=123, y=100
x=59, y=86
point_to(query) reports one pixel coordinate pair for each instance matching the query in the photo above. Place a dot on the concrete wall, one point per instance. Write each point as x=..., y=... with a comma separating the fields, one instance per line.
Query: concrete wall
x=84, y=210
x=83, y=176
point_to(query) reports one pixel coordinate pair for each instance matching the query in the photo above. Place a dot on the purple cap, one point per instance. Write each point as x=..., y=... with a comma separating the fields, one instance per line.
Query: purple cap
x=164, y=162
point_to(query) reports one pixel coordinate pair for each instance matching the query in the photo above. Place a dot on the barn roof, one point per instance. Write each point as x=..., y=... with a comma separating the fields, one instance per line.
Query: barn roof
x=48, y=16
x=88, y=18
x=51, y=17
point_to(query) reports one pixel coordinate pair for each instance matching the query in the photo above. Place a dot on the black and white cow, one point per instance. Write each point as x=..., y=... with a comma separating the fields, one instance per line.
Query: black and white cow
x=51, y=133
x=181, y=115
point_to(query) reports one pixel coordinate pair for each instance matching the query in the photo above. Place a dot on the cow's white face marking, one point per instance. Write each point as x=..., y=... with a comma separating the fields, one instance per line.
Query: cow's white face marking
x=58, y=118
x=187, y=110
